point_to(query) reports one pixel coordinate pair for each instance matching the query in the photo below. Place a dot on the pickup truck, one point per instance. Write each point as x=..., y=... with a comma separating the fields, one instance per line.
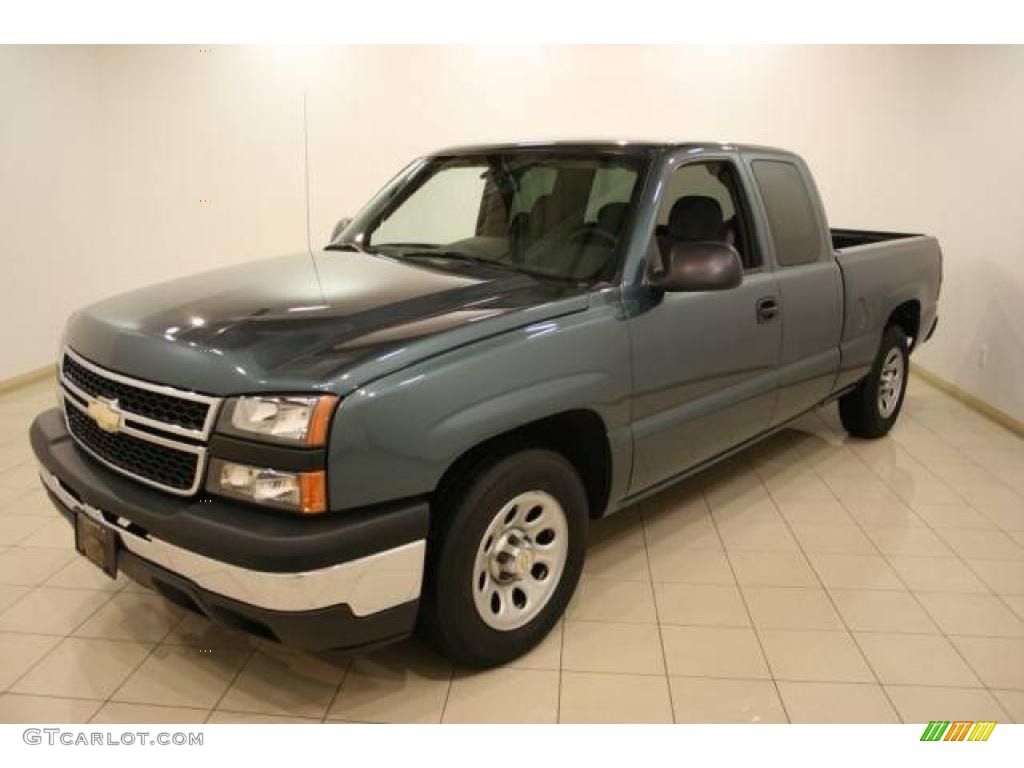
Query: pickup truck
x=412, y=428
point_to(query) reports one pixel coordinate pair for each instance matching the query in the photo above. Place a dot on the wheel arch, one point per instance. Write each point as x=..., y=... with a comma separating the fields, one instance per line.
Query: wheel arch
x=579, y=435
x=908, y=317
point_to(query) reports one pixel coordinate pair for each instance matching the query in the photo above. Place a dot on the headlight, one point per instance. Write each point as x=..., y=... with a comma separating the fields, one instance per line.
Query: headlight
x=287, y=419
x=304, y=492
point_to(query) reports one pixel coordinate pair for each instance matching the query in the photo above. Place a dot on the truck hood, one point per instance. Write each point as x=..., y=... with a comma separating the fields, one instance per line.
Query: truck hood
x=333, y=321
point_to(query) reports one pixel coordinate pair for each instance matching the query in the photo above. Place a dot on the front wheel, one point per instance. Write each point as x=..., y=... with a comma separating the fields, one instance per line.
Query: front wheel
x=505, y=559
x=872, y=408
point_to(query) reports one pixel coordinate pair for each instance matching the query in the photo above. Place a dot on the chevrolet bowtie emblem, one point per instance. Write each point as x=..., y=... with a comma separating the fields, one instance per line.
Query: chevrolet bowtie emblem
x=106, y=414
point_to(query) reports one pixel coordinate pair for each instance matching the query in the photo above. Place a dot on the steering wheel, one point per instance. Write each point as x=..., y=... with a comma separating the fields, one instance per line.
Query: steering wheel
x=590, y=232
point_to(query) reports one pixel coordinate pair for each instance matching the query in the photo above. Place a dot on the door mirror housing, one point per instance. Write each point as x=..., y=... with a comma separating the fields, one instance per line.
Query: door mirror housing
x=700, y=266
x=340, y=227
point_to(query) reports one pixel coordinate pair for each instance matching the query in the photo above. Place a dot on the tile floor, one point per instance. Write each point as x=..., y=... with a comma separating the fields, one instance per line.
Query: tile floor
x=814, y=578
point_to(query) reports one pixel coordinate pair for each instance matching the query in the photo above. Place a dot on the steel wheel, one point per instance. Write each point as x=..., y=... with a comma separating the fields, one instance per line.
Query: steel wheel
x=520, y=560
x=890, y=383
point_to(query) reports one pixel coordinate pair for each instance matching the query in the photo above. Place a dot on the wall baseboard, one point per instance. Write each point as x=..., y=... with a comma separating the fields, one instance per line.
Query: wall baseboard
x=24, y=379
x=1002, y=418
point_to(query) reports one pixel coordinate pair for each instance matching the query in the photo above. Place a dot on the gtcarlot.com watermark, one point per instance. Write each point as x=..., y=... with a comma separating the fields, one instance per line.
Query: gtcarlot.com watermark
x=83, y=738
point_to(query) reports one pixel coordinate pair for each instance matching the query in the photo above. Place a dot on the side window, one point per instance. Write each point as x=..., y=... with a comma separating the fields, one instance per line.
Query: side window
x=704, y=201
x=790, y=211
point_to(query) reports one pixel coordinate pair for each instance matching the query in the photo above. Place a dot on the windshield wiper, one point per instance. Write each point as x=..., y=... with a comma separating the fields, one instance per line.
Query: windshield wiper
x=460, y=256
x=453, y=255
x=441, y=253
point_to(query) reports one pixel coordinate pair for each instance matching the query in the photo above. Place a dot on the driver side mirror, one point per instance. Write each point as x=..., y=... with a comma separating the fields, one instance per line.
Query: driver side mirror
x=702, y=266
x=340, y=227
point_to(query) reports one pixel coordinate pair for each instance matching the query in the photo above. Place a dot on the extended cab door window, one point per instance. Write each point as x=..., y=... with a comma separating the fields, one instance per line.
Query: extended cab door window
x=810, y=287
x=791, y=218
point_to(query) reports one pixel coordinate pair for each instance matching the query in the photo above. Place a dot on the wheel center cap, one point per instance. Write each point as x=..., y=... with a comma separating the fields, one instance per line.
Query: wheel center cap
x=524, y=559
x=513, y=557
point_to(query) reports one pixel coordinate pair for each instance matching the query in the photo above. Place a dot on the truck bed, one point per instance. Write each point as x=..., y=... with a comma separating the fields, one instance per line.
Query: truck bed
x=851, y=238
x=882, y=271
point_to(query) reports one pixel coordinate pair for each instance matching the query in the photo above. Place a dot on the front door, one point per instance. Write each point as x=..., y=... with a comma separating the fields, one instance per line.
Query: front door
x=704, y=364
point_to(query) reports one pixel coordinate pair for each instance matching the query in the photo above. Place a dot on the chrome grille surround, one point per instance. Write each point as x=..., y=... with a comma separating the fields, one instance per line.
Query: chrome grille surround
x=141, y=427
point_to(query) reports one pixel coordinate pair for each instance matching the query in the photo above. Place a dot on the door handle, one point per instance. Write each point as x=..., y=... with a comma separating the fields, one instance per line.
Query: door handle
x=766, y=309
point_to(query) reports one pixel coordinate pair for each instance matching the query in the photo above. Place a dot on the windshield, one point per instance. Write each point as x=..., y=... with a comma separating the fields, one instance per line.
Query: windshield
x=543, y=213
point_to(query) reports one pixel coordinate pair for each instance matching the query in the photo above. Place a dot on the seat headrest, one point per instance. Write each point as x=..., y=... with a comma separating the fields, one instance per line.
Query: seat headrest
x=611, y=216
x=543, y=215
x=695, y=217
x=543, y=205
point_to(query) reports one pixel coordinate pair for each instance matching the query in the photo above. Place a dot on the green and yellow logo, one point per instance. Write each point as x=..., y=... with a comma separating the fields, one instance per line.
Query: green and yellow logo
x=958, y=730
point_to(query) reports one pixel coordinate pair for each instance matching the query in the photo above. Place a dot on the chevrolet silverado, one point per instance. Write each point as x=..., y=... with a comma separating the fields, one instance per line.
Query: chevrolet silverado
x=411, y=428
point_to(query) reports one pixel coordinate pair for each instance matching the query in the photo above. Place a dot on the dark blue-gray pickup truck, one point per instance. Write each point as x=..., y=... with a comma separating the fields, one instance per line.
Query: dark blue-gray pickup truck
x=412, y=428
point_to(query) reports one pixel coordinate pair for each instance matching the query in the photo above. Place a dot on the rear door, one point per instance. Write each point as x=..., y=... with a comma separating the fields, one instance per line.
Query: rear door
x=808, y=278
x=704, y=363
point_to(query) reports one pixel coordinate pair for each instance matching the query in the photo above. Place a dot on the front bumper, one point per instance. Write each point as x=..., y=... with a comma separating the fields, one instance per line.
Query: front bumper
x=337, y=581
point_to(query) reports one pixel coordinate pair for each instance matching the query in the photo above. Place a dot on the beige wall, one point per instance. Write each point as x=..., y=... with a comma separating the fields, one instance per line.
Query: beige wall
x=973, y=199
x=49, y=197
x=107, y=153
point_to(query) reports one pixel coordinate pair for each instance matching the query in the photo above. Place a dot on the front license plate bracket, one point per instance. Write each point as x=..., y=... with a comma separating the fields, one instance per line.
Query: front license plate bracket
x=97, y=542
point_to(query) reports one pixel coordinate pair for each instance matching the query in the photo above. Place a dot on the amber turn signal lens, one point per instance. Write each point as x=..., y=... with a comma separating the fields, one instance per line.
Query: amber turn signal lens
x=313, y=492
x=320, y=420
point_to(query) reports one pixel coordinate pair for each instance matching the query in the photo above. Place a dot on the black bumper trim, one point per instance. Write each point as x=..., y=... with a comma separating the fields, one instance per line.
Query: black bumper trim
x=224, y=530
x=331, y=628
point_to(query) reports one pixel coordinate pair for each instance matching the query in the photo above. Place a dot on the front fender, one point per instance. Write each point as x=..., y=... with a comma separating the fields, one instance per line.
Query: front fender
x=395, y=437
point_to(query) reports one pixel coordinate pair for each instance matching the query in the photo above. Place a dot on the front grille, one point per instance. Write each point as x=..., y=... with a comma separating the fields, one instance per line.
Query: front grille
x=178, y=412
x=157, y=433
x=158, y=464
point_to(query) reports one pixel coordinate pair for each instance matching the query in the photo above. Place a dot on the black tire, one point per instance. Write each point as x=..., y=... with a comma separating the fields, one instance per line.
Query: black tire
x=860, y=410
x=449, y=618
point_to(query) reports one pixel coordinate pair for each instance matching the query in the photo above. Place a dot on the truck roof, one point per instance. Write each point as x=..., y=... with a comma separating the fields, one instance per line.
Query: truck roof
x=627, y=146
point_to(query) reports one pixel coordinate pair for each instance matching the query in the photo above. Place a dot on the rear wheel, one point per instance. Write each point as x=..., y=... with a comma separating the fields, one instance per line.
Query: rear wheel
x=505, y=559
x=872, y=408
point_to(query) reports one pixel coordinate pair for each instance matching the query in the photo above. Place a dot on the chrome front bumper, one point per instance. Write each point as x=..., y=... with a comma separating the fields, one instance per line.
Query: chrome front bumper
x=366, y=585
